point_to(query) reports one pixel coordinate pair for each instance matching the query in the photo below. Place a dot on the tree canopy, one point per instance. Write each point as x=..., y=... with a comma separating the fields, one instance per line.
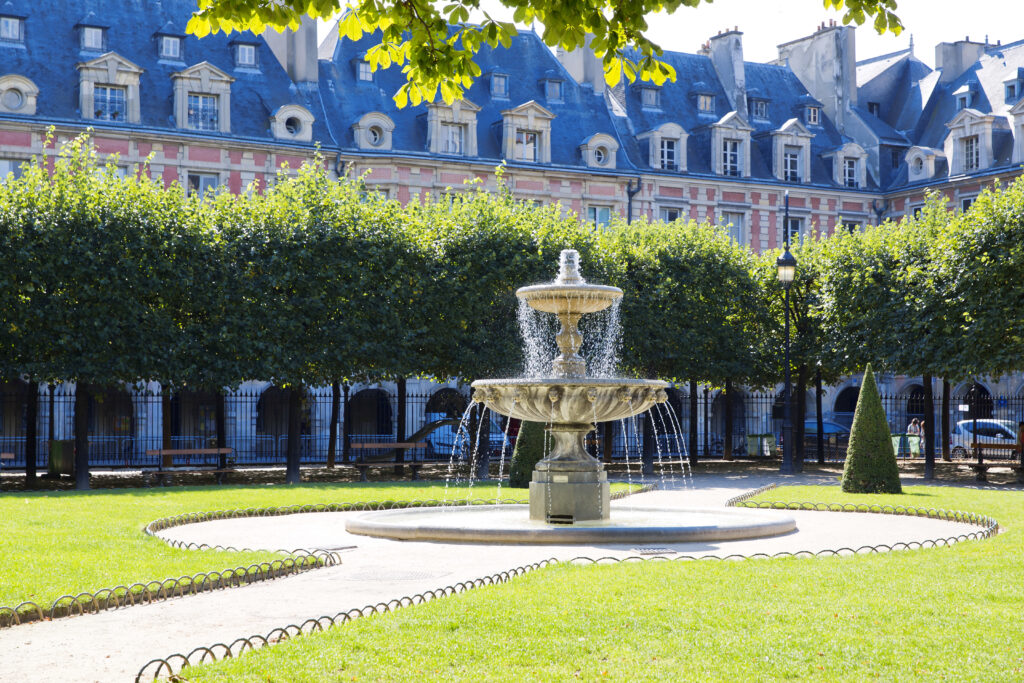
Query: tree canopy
x=434, y=43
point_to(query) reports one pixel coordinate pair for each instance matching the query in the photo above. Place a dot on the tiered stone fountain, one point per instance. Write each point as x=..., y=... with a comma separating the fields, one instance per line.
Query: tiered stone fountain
x=569, y=493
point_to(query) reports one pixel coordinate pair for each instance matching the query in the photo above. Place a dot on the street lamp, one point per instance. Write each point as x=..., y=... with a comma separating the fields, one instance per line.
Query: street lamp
x=786, y=270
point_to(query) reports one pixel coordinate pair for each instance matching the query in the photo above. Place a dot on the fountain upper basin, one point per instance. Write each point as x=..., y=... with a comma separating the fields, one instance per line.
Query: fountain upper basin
x=560, y=400
x=569, y=298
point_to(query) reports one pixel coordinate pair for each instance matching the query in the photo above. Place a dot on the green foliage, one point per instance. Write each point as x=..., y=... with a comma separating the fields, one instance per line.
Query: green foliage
x=870, y=461
x=434, y=44
x=528, y=452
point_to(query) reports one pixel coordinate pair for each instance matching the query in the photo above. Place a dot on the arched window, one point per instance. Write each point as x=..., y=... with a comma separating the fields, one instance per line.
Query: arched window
x=846, y=401
x=369, y=412
x=446, y=404
x=193, y=419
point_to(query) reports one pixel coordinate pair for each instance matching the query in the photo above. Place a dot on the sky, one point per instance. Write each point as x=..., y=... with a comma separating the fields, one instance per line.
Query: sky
x=767, y=23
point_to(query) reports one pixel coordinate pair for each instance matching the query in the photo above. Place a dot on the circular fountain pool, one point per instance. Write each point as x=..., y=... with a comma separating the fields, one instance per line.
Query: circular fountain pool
x=509, y=524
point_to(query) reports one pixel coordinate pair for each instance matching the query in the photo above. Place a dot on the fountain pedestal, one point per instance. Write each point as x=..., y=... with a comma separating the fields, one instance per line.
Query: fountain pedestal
x=569, y=485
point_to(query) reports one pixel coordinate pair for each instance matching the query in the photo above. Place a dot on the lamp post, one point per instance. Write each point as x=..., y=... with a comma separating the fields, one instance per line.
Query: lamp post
x=786, y=271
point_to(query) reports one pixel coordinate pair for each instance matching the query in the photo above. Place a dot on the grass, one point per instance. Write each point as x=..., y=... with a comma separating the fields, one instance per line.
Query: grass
x=57, y=543
x=938, y=614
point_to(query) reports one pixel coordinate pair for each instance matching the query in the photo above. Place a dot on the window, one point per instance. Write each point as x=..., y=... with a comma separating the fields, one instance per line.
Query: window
x=108, y=103
x=731, y=157
x=965, y=203
x=526, y=146
x=12, y=99
x=916, y=211
x=851, y=226
x=170, y=47
x=1011, y=92
x=759, y=109
x=375, y=134
x=649, y=97
x=201, y=183
x=791, y=164
x=365, y=73
x=9, y=167
x=971, y=153
x=600, y=156
x=669, y=160
x=895, y=158
x=794, y=230
x=10, y=29
x=874, y=108
x=499, y=85
x=918, y=165
x=670, y=213
x=706, y=103
x=245, y=55
x=202, y=112
x=92, y=38
x=553, y=90
x=453, y=137
x=599, y=215
x=961, y=102
x=734, y=223
x=813, y=115
x=850, y=174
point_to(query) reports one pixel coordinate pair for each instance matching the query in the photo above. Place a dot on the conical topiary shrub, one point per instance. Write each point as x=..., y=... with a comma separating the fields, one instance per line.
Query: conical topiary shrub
x=528, y=452
x=870, y=461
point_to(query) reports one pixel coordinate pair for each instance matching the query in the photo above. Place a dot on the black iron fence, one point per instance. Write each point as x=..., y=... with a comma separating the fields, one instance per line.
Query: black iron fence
x=127, y=425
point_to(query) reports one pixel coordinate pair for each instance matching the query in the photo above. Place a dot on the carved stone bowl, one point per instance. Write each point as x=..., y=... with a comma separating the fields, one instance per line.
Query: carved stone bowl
x=562, y=401
x=576, y=299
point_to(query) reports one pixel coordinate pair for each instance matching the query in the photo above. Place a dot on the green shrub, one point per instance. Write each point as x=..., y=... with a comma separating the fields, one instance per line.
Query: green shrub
x=528, y=452
x=870, y=461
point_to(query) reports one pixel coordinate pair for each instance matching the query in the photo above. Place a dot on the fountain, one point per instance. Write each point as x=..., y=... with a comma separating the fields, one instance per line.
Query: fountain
x=569, y=491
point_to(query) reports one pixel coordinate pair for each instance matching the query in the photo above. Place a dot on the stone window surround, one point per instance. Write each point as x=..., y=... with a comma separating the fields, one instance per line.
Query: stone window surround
x=670, y=131
x=279, y=120
x=461, y=113
x=792, y=134
x=927, y=157
x=110, y=69
x=29, y=94
x=202, y=79
x=529, y=116
x=969, y=123
x=732, y=126
x=742, y=210
x=590, y=146
x=1017, y=123
x=361, y=131
x=851, y=150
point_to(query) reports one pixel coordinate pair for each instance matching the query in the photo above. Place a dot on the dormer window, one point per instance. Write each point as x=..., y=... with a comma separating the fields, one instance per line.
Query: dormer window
x=363, y=71
x=453, y=136
x=526, y=145
x=526, y=133
x=669, y=154
x=962, y=102
x=705, y=103
x=1010, y=92
x=170, y=47
x=245, y=55
x=92, y=38
x=109, y=102
x=851, y=175
x=599, y=151
x=791, y=164
x=875, y=109
x=813, y=116
x=971, y=152
x=11, y=29
x=731, y=157
x=759, y=109
x=650, y=97
x=203, y=112
x=499, y=85
x=553, y=90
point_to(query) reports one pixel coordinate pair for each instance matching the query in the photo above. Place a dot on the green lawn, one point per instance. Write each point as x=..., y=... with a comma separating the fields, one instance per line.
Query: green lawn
x=940, y=614
x=55, y=543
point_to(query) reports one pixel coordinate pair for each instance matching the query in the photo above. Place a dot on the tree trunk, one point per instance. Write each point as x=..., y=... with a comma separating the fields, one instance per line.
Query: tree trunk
x=648, y=449
x=294, y=434
x=165, y=418
x=82, y=436
x=928, y=428
x=31, y=433
x=707, y=424
x=945, y=421
x=693, y=423
x=820, y=441
x=799, y=417
x=221, y=427
x=608, y=428
x=346, y=437
x=727, y=437
x=400, y=427
x=332, y=432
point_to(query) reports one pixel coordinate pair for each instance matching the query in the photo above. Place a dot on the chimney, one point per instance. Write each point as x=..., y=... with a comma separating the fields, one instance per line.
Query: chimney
x=296, y=50
x=826, y=63
x=952, y=59
x=726, y=53
x=584, y=66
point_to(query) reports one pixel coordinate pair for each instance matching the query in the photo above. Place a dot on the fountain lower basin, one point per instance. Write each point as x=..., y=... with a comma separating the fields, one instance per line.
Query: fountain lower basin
x=508, y=524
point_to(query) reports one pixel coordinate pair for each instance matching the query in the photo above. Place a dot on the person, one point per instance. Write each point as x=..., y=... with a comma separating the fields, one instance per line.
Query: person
x=914, y=438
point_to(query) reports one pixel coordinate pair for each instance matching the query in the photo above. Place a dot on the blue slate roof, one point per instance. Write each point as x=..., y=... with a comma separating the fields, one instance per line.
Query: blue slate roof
x=51, y=51
x=527, y=62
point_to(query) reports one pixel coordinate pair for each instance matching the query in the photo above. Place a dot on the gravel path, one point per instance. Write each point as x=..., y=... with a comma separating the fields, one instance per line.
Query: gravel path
x=113, y=646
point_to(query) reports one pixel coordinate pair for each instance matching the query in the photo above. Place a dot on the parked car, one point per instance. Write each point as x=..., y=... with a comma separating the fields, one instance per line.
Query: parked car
x=989, y=431
x=837, y=438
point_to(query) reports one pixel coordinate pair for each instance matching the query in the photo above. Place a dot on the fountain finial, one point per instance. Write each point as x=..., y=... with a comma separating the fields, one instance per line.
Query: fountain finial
x=569, y=268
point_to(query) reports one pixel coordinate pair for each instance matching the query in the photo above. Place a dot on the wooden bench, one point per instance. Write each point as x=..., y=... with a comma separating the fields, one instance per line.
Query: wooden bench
x=362, y=464
x=1012, y=460
x=167, y=465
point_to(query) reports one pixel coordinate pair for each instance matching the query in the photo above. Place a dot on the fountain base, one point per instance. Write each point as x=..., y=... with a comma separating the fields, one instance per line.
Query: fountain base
x=569, y=492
